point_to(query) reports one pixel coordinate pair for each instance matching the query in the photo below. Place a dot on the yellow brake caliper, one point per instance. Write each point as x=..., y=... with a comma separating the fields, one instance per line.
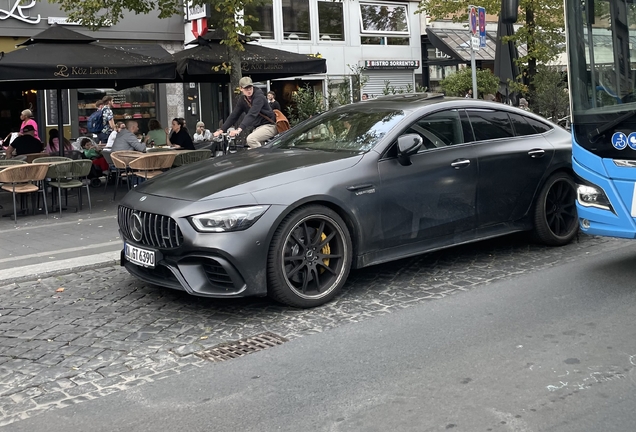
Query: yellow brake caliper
x=326, y=250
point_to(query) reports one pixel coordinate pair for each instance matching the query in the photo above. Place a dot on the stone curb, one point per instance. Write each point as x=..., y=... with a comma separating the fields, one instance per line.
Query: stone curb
x=55, y=268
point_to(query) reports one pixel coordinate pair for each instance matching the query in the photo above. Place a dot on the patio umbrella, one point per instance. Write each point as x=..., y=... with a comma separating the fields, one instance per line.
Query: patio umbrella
x=59, y=58
x=197, y=64
x=505, y=55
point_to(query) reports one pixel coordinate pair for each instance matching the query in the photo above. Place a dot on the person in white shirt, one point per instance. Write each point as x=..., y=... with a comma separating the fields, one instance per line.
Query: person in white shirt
x=113, y=135
x=202, y=134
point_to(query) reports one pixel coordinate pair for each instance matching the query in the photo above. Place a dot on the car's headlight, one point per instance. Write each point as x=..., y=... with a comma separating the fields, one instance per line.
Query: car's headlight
x=234, y=219
x=592, y=196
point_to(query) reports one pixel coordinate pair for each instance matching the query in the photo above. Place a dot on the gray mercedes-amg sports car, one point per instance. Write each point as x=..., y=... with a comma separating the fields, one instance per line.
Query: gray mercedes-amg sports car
x=358, y=185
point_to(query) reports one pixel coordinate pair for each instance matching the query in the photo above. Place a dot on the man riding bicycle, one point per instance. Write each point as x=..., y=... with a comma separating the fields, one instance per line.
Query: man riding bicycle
x=258, y=114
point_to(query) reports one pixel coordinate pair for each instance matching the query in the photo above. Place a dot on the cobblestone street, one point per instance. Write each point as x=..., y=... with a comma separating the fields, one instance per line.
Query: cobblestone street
x=71, y=338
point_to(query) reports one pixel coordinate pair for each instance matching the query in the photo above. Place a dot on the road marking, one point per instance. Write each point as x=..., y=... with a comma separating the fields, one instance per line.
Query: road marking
x=62, y=251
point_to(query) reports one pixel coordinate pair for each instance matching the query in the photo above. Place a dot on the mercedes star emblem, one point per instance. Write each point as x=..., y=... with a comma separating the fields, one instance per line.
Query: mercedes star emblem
x=136, y=227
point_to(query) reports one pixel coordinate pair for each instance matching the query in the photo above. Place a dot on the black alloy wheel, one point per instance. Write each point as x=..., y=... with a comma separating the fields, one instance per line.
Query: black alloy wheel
x=556, y=220
x=309, y=258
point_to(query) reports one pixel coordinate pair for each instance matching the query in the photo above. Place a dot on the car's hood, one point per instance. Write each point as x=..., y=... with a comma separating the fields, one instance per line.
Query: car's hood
x=246, y=172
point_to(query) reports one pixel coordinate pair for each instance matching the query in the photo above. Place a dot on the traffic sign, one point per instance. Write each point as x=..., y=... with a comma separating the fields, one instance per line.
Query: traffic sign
x=472, y=20
x=475, y=43
x=482, y=26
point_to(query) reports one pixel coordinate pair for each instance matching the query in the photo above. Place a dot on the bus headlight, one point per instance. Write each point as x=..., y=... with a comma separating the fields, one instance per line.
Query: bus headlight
x=592, y=196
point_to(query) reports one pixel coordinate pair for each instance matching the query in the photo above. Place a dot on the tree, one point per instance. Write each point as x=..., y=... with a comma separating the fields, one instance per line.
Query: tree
x=460, y=82
x=550, y=98
x=307, y=103
x=543, y=29
x=227, y=18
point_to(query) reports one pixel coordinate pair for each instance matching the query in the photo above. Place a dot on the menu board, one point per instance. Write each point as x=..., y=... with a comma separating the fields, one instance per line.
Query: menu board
x=50, y=100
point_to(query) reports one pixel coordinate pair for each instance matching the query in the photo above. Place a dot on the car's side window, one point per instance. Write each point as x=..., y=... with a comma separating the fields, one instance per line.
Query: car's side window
x=439, y=129
x=490, y=124
x=521, y=125
x=540, y=127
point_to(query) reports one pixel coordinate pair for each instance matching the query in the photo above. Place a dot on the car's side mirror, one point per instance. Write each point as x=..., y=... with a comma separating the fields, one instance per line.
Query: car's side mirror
x=408, y=145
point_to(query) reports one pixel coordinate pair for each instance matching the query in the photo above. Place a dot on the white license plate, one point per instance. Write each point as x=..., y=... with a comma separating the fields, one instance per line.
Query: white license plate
x=139, y=256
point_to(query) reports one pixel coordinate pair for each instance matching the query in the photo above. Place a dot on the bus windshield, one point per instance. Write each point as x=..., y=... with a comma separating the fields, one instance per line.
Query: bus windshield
x=602, y=73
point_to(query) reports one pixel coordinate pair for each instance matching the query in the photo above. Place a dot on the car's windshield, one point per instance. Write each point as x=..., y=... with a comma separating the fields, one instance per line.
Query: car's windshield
x=355, y=128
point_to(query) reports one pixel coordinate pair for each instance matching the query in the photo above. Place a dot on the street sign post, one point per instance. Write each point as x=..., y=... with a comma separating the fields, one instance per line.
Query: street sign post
x=482, y=26
x=473, y=24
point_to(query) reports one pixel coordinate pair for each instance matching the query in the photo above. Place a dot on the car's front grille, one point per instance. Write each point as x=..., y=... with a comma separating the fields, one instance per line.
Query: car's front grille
x=154, y=230
x=216, y=274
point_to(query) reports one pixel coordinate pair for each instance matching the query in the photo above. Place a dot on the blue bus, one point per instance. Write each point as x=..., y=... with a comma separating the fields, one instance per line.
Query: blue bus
x=601, y=49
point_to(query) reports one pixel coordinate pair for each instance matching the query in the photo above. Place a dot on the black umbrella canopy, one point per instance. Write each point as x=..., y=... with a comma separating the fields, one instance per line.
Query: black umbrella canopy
x=505, y=55
x=197, y=64
x=62, y=58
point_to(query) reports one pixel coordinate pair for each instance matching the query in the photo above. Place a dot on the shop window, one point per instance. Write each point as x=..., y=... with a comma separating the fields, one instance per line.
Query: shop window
x=260, y=19
x=296, y=20
x=137, y=103
x=384, y=40
x=383, y=18
x=330, y=21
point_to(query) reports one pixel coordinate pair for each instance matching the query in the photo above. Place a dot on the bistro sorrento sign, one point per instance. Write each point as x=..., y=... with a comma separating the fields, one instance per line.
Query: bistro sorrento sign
x=391, y=64
x=67, y=71
x=17, y=11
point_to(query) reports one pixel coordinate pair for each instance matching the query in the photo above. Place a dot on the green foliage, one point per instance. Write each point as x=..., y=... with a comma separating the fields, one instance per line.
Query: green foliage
x=460, y=82
x=551, y=97
x=340, y=92
x=306, y=103
x=543, y=29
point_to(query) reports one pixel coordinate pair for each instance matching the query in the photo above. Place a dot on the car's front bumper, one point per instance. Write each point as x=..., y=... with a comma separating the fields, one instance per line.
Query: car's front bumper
x=232, y=264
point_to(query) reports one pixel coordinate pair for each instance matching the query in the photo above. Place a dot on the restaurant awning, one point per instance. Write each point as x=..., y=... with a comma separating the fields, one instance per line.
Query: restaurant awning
x=455, y=43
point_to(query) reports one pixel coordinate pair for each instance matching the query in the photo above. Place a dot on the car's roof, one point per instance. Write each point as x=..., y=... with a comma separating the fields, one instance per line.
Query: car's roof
x=415, y=101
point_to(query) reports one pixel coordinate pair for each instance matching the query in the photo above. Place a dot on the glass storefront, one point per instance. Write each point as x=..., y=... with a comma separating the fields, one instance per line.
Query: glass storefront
x=137, y=103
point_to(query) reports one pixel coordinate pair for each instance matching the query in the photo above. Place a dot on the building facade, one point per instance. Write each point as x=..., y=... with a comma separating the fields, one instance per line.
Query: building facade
x=373, y=43
x=145, y=34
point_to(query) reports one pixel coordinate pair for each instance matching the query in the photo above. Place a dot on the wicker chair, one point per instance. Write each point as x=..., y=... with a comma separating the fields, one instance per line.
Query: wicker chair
x=120, y=161
x=24, y=178
x=49, y=159
x=30, y=157
x=10, y=162
x=151, y=165
x=70, y=175
x=185, y=157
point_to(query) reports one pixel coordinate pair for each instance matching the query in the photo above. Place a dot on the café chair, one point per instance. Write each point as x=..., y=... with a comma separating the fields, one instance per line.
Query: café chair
x=9, y=162
x=151, y=165
x=30, y=157
x=185, y=157
x=72, y=175
x=120, y=163
x=22, y=179
x=19, y=158
x=49, y=159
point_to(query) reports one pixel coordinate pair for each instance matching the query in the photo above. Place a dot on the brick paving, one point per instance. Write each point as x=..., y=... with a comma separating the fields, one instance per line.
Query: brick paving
x=106, y=331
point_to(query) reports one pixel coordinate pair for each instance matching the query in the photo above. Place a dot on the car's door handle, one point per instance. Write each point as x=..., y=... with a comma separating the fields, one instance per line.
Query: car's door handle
x=460, y=163
x=356, y=188
x=536, y=153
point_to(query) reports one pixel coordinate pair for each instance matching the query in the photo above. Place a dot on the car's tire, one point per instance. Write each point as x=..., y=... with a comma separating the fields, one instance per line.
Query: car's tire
x=556, y=221
x=309, y=257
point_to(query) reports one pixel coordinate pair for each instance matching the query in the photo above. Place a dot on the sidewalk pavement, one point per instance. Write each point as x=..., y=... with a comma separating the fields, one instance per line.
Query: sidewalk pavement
x=37, y=247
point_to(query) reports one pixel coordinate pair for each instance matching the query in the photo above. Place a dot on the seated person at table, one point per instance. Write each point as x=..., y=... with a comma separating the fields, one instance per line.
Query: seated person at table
x=202, y=134
x=126, y=139
x=25, y=143
x=178, y=136
x=156, y=134
x=53, y=147
x=92, y=153
x=113, y=135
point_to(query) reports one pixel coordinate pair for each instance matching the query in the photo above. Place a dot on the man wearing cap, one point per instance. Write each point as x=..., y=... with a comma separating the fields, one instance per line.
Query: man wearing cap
x=258, y=114
x=25, y=143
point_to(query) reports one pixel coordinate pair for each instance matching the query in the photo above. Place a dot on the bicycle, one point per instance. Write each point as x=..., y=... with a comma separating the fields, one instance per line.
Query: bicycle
x=226, y=143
